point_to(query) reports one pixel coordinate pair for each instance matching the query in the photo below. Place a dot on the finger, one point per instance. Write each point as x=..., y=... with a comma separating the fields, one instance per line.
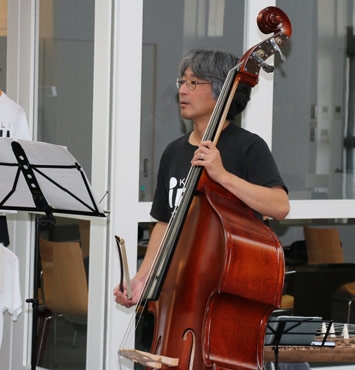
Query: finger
x=206, y=144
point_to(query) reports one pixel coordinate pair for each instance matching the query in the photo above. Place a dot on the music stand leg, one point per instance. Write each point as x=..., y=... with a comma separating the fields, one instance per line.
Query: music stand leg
x=276, y=351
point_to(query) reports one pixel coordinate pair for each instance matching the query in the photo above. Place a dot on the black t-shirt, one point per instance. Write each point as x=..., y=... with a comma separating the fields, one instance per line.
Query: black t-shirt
x=243, y=153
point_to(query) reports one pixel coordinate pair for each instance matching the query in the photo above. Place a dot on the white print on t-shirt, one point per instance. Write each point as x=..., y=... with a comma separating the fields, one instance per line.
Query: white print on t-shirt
x=4, y=129
x=176, y=189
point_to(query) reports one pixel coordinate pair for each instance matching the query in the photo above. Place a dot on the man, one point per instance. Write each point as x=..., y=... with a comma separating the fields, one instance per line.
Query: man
x=241, y=162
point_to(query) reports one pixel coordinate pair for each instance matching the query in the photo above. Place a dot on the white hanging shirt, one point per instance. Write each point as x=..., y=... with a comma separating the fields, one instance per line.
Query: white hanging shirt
x=13, y=121
x=10, y=294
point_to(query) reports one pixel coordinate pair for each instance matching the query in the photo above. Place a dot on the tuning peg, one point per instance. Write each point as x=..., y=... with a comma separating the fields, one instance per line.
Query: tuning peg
x=277, y=49
x=266, y=67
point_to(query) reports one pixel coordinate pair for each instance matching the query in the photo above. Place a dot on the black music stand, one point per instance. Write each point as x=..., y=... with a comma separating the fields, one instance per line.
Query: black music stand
x=294, y=331
x=45, y=178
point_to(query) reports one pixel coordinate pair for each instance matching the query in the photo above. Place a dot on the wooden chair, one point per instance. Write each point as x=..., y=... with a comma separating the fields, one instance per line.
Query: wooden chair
x=84, y=230
x=287, y=302
x=64, y=283
x=324, y=247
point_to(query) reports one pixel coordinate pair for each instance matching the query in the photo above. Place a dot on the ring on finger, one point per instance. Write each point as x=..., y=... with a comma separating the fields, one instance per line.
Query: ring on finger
x=202, y=156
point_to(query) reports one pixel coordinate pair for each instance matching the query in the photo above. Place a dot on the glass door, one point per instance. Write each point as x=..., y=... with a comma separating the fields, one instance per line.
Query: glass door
x=65, y=95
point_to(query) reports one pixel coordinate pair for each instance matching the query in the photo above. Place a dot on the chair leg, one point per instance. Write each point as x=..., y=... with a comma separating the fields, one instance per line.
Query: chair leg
x=349, y=310
x=55, y=342
x=41, y=342
x=74, y=338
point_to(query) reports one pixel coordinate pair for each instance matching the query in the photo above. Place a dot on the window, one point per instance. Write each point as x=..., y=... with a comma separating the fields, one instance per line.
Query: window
x=312, y=106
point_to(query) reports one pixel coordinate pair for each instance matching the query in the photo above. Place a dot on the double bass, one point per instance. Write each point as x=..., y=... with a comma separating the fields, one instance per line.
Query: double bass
x=219, y=270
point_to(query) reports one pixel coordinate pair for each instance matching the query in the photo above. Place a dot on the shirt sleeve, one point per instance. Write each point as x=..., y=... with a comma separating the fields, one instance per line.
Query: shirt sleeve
x=21, y=129
x=11, y=285
x=261, y=166
x=160, y=207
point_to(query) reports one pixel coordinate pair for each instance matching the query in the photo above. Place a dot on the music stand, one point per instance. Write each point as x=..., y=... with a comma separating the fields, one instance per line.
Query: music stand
x=293, y=331
x=46, y=178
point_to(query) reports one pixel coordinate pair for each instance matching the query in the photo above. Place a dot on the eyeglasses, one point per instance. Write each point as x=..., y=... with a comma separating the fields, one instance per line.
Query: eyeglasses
x=191, y=85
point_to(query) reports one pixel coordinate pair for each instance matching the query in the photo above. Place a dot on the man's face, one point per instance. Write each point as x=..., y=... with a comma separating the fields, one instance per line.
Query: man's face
x=197, y=104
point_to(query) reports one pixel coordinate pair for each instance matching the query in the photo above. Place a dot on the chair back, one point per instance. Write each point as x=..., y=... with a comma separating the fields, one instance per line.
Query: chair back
x=64, y=279
x=323, y=245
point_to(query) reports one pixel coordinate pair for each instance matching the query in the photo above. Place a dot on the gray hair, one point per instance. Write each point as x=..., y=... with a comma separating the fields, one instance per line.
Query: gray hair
x=213, y=66
x=209, y=65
